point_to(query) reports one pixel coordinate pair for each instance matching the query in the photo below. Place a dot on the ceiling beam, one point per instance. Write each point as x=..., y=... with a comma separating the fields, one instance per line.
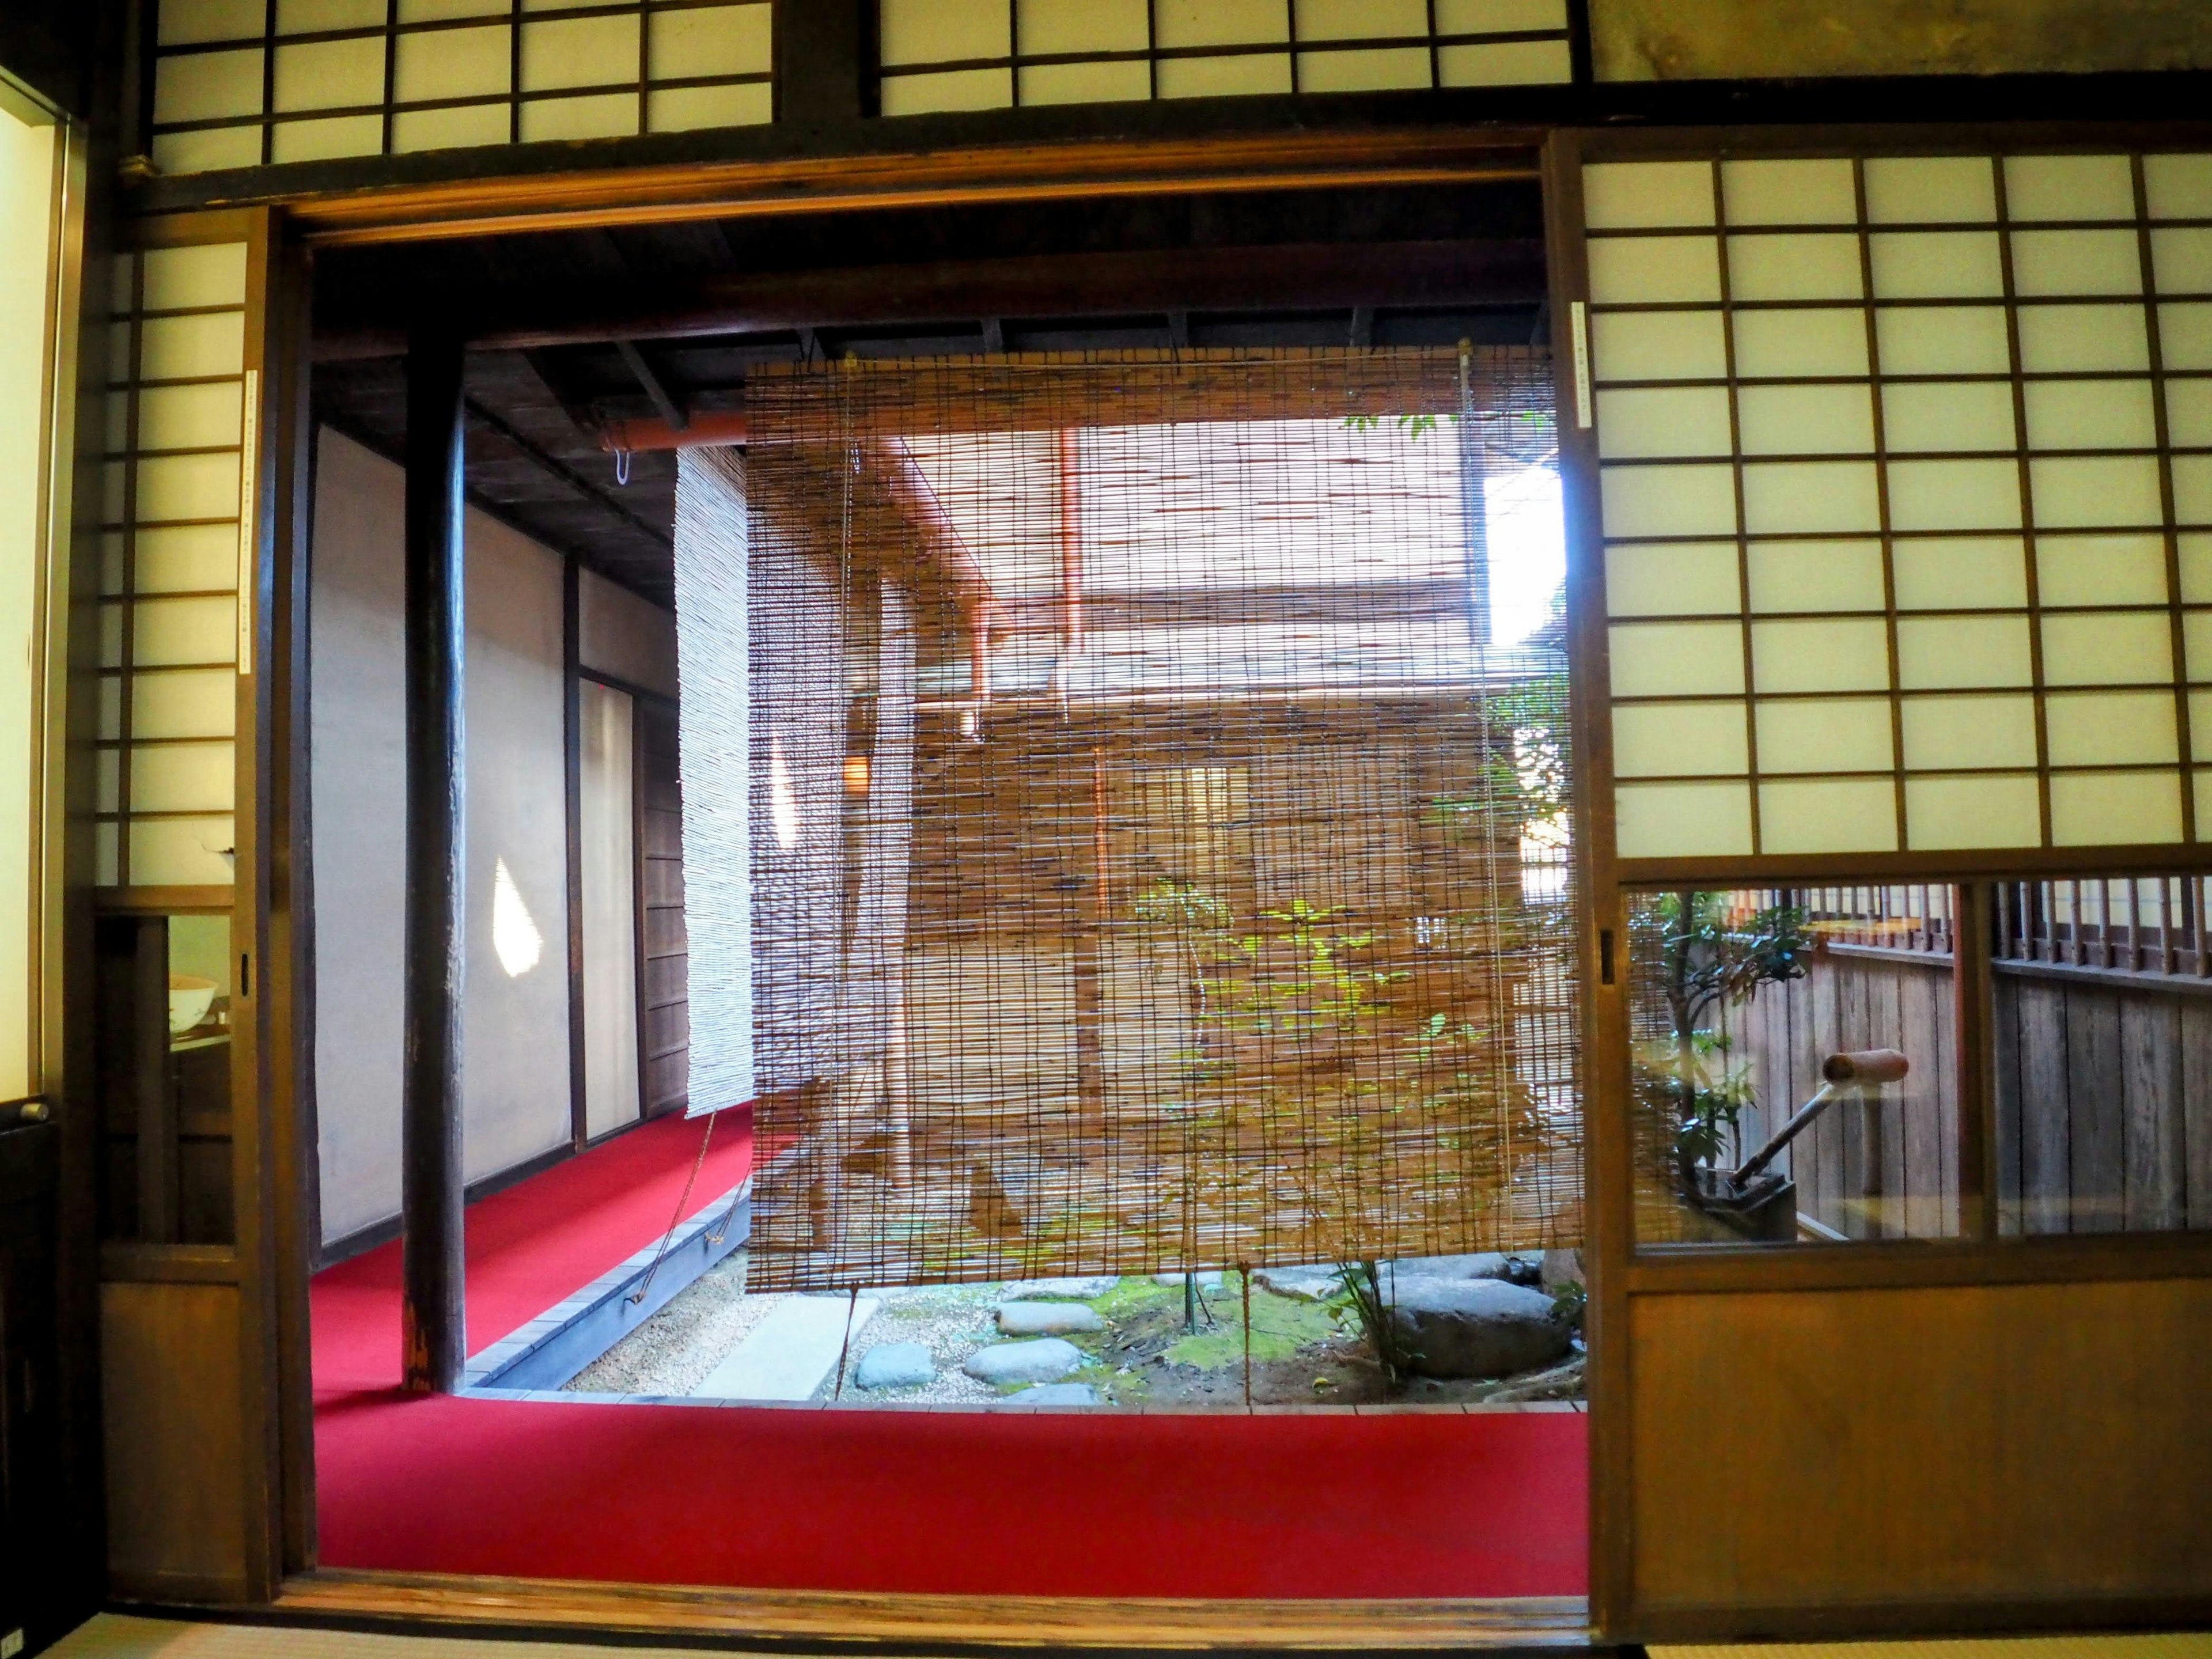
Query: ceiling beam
x=671, y=411
x=1330, y=276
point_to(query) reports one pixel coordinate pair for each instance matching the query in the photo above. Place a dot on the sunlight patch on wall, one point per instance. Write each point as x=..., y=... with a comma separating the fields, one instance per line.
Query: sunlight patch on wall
x=514, y=936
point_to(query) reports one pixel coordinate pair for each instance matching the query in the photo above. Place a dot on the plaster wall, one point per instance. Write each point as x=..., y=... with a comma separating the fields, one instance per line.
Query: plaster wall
x=515, y=1028
x=1759, y=40
x=624, y=637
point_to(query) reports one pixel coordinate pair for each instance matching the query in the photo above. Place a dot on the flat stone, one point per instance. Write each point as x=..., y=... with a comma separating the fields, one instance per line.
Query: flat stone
x=1081, y=1290
x=1054, y=1393
x=1047, y=1318
x=895, y=1365
x=1205, y=1281
x=1316, y=1283
x=1046, y=1360
x=788, y=1354
x=1477, y=1328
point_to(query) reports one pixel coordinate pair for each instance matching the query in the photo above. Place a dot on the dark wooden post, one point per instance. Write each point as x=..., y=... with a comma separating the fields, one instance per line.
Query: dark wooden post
x=434, y=1339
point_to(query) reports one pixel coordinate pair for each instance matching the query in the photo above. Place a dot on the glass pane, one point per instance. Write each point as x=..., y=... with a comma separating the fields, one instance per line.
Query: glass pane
x=2103, y=1037
x=163, y=988
x=1794, y=1064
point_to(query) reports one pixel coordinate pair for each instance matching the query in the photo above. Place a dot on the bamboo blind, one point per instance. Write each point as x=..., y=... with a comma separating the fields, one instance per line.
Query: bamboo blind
x=1157, y=861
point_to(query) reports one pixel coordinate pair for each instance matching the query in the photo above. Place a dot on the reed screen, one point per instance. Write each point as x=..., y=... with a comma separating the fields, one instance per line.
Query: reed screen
x=1160, y=843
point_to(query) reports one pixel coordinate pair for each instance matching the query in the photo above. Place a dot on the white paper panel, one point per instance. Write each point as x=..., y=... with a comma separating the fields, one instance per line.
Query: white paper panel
x=1667, y=345
x=2075, y=571
x=2101, y=808
x=1676, y=659
x=1996, y=810
x=1783, y=497
x=2083, y=339
x=1936, y=265
x=1789, y=192
x=1828, y=654
x=1653, y=421
x=1963, y=495
x=1805, y=420
x=1669, y=579
x=2048, y=262
x=2114, y=649
x=2068, y=187
x=1952, y=417
x=2111, y=728
x=1933, y=652
x=1680, y=740
x=1659, y=500
x=1654, y=269
x=1815, y=576
x=1930, y=190
x=1950, y=733
x=1848, y=815
x=1807, y=266
x=1944, y=340
x=1657, y=820
x=2090, y=414
x=1843, y=735
x=1647, y=195
x=1792, y=344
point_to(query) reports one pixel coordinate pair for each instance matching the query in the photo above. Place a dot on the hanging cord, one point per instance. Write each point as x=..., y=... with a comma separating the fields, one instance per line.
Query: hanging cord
x=1244, y=1273
x=729, y=1216
x=682, y=1204
x=622, y=467
x=846, y=1347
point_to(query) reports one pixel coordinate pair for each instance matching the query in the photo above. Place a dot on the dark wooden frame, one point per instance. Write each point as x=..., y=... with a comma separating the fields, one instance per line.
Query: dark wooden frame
x=1161, y=167
x=1620, y=1270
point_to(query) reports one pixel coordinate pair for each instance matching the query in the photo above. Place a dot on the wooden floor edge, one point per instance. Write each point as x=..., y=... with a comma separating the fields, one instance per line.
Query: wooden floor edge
x=834, y=1618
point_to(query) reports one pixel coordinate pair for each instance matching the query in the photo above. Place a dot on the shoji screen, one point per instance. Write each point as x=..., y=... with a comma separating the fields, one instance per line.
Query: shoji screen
x=248, y=82
x=994, y=54
x=1905, y=499
x=177, y=542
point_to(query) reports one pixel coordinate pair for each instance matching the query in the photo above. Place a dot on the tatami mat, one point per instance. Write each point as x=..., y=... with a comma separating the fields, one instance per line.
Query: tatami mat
x=2184, y=1645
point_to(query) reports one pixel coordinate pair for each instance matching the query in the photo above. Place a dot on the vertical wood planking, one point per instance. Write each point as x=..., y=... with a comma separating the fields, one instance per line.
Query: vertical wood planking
x=2094, y=1102
x=2045, y=1171
x=2195, y=1044
x=2153, y=1152
x=2006, y=1065
x=1921, y=1127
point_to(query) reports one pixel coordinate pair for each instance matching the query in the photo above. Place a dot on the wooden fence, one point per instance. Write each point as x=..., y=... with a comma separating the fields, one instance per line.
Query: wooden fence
x=2103, y=1040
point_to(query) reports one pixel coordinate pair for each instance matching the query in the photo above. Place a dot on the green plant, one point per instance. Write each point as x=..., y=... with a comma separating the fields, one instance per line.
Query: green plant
x=1711, y=962
x=1363, y=1283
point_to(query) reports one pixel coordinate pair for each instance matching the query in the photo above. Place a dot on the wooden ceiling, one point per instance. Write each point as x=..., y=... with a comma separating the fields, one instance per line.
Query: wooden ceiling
x=575, y=327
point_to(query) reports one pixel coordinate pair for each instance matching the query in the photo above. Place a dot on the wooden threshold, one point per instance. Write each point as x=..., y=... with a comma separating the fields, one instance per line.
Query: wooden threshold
x=819, y=1618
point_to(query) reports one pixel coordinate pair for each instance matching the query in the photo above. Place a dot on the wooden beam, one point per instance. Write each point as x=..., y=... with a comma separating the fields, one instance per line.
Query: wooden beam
x=1155, y=282
x=434, y=1339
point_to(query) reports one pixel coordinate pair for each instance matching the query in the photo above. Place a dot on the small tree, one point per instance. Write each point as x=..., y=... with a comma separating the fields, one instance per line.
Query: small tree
x=1708, y=966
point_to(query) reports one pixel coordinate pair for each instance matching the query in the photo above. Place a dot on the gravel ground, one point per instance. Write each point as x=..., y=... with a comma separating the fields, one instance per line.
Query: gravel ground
x=673, y=1352
x=1300, y=1351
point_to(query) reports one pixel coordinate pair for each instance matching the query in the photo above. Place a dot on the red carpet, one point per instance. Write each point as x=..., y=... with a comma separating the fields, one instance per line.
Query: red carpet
x=1419, y=1504
x=530, y=1245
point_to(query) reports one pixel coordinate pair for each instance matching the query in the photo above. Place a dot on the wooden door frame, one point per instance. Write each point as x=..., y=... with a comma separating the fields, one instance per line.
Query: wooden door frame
x=1620, y=1272
x=295, y=1585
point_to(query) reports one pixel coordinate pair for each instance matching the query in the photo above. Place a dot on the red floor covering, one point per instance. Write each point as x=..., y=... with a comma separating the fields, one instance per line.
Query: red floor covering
x=1324, y=1505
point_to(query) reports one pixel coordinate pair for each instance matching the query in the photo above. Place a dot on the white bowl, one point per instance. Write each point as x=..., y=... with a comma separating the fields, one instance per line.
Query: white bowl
x=190, y=999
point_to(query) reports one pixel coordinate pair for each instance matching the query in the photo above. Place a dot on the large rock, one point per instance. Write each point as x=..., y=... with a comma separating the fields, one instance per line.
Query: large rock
x=1560, y=1269
x=1207, y=1281
x=1080, y=1289
x=1476, y=1328
x=1486, y=1264
x=1047, y=1318
x=895, y=1365
x=1046, y=1360
x=1054, y=1393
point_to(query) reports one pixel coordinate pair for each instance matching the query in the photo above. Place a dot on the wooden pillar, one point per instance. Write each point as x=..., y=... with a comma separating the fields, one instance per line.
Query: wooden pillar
x=434, y=1339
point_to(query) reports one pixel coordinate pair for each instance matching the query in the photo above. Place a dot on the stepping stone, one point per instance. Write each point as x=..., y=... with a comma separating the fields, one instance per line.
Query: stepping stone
x=1312, y=1283
x=1082, y=1290
x=895, y=1365
x=1477, y=1327
x=1054, y=1393
x=1046, y=1318
x=1046, y=1360
x=1205, y=1281
x=788, y=1354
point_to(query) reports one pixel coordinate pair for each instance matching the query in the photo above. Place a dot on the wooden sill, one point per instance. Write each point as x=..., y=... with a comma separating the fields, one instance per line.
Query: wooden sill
x=570, y=1606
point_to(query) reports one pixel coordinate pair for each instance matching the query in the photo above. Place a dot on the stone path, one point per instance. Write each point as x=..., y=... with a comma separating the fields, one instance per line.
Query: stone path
x=788, y=1355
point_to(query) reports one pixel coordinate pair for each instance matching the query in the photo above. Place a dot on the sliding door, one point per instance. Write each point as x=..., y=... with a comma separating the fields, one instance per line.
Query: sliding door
x=608, y=878
x=1889, y=482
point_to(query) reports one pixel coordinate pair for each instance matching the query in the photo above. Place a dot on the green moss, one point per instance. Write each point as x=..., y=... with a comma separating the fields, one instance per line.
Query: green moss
x=1281, y=1325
